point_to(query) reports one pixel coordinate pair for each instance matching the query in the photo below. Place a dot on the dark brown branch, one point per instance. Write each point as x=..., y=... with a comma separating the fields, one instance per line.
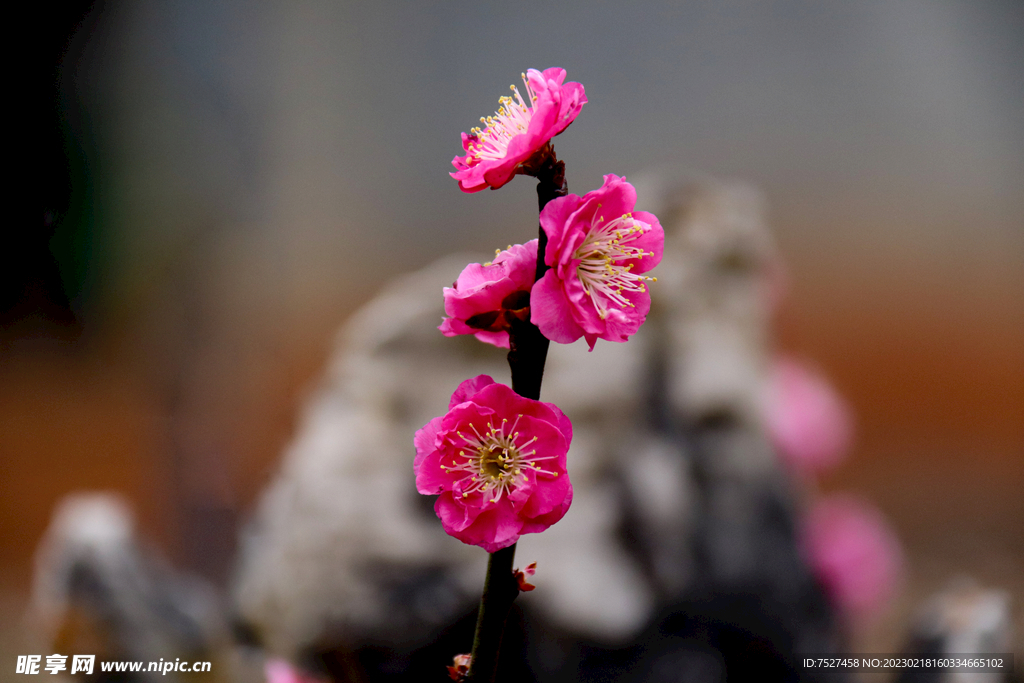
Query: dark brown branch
x=527, y=353
x=500, y=590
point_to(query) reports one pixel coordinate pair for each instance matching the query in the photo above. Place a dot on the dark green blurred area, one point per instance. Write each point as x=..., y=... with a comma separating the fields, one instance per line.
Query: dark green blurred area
x=51, y=273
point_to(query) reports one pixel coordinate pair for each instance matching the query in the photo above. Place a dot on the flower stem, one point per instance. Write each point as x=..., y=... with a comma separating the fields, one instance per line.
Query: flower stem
x=550, y=185
x=527, y=353
x=500, y=590
x=528, y=348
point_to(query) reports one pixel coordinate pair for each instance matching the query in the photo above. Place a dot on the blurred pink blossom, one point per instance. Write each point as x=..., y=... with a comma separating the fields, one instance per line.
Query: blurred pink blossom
x=496, y=461
x=853, y=552
x=808, y=423
x=282, y=671
x=597, y=248
x=485, y=296
x=518, y=130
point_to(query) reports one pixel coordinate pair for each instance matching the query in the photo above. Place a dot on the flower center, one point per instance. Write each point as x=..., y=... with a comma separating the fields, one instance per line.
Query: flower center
x=511, y=119
x=494, y=462
x=602, y=269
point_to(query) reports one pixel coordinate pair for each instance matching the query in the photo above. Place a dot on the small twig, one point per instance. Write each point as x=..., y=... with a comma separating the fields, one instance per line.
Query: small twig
x=551, y=184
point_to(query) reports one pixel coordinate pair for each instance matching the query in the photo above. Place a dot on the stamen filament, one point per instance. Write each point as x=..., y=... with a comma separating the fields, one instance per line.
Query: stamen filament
x=602, y=270
x=512, y=118
x=494, y=462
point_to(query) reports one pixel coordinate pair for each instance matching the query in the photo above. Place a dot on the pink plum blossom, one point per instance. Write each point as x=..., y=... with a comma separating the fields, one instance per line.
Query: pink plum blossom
x=597, y=249
x=486, y=296
x=808, y=423
x=518, y=130
x=854, y=554
x=496, y=461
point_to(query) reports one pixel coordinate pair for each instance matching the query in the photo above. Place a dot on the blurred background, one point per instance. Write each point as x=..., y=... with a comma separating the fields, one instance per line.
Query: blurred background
x=222, y=183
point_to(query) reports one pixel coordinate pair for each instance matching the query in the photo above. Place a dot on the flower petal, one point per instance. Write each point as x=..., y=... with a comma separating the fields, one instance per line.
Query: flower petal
x=499, y=339
x=616, y=196
x=467, y=390
x=430, y=478
x=542, y=522
x=495, y=528
x=454, y=515
x=550, y=311
x=425, y=440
